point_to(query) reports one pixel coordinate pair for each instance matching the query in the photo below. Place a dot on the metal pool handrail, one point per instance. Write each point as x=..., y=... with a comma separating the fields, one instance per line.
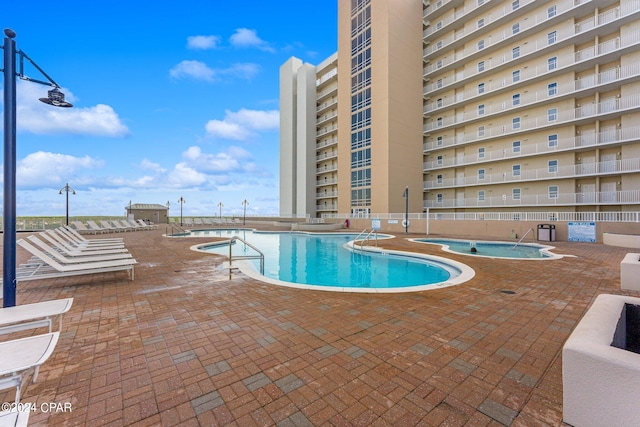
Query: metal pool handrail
x=522, y=238
x=231, y=257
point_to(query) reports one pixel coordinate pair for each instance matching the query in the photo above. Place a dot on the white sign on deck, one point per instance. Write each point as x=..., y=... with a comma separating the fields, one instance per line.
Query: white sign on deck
x=582, y=231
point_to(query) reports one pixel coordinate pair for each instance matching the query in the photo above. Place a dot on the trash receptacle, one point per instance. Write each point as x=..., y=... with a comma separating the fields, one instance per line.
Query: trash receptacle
x=546, y=232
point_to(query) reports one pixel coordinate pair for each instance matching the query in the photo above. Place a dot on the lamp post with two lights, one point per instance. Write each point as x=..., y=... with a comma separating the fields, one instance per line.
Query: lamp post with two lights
x=67, y=189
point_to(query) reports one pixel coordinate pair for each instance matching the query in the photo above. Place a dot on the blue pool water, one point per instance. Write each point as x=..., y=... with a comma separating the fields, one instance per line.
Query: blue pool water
x=322, y=260
x=492, y=249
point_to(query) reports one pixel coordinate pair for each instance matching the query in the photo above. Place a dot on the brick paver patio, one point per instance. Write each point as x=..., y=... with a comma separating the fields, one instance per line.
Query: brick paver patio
x=183, y=345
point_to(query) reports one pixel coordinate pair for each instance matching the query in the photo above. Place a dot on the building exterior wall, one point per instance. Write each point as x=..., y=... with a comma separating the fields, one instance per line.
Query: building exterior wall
x=288, y=133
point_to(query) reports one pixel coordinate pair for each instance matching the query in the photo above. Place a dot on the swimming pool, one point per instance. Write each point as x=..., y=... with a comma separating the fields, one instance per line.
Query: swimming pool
x=525, y=251
x=327, y=261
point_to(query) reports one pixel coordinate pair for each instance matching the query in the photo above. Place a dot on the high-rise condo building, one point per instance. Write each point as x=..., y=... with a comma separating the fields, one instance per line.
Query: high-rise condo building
x=473, y=106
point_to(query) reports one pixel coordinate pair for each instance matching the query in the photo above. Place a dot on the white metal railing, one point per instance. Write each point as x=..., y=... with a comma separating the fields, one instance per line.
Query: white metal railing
x=548, y=216
x=327, y=156
x=327, y=207
x=326, y=130
x=326, y=104
x=329, y=194
x=323, y=144
x=327, y=76
x=617, y=105
x=585, y=82
x=561, y=199
x=326, y=117
x=590, y=53
x=328, y=181
x=327, y=168
x=614, y=136
x=327, y=91
x=560, y=172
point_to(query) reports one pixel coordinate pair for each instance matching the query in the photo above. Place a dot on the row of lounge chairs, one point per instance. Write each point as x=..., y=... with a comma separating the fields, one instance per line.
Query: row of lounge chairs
x=211, y=221
x=23, y=356
x=112, y=226
x=64, y=252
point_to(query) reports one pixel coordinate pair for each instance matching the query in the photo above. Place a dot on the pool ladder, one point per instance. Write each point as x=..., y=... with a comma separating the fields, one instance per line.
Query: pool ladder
x=366, y=238
x=177, y=227
x=522, y=238
x=259, y=256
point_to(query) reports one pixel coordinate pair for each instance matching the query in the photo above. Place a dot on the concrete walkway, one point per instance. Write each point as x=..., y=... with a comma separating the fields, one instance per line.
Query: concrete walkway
x=183, y=345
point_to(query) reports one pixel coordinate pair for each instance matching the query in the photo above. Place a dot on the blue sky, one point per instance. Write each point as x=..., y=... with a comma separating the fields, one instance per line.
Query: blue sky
x=171, y=99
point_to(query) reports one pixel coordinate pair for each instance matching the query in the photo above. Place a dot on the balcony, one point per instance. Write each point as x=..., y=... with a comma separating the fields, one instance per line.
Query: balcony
x=603, y=110
x=622, y=13
x=328, y=181
x=630, y=197
x=323, y=144
x=327, y=104
x=327, y=168
x=331, y=155
x=327, y=194
x=326, y=117
x=327, y=207
x=614, y=167
x=330, y=90
x=328, y=76
x=613, y=137
x=586, y=84
x=326, y=130
x=587, y=56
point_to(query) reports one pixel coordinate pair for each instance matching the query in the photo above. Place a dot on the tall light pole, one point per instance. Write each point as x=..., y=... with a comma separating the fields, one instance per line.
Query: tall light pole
x=181, y=201
x=406, y=210
x=67, y=189
x=55, y=98
x=220, y=205
x=244, y=216
x=168, y=205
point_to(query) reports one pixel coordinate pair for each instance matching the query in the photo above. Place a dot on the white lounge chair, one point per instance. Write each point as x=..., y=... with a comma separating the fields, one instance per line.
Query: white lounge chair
x=14, y=418
x=36, y=315
x=81, y=228
x=21, y=356
x=93, y=256
x=119, y=225
x=135, y=225
x=149, y=226
x=61, y=242
x=97, y=227
x=97, y=241
x=107, y=226
x=47, y=267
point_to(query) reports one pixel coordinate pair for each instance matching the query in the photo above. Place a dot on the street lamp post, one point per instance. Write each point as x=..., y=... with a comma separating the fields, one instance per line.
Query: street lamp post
x=55, y=98
x=244, y=216
x=220, y=205
x=66, y=189
x=168, y=205
x=181, y=201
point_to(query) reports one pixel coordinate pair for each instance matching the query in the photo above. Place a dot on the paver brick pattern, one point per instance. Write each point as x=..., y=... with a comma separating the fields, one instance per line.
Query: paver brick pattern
x=184, y=345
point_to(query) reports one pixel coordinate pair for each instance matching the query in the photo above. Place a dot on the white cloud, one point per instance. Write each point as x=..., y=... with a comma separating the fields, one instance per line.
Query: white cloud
x=246, y=38
x=147, y=164
x=202, y=42
x=36, y=117
x=193, y=69
x=42, y=168
x=241, y=125
x=184, y=176
x=245, y=70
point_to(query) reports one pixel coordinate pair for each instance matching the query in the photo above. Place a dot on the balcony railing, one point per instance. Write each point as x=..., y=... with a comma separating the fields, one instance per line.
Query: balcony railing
x=613, y=106
x=327, y=207
x=327, y=156
x=326, y=118
x=327, y=168
x=590, y=53
x=327, y=194
x=614, y=136
x=563, y=199
x=328, y=181
x=617, y=74
x=326, y=130
x=630, y=7
x=328, y=143
x=327, y=76
x=559, y=172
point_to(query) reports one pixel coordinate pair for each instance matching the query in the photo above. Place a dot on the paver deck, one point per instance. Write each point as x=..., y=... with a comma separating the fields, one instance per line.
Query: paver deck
x=184, y=345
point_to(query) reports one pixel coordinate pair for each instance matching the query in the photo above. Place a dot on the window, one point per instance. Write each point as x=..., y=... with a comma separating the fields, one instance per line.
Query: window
x=515, y=194
x=439, y=197
x=515, y=146
x=552, y=140
x=439, y=103
x=480, y=131
x=515, y=4
x=480, y=2
x=552, y=63
x=439, y=63
x=439, y=45
x=552, y=114
x=481, y=196
x=553, y=166
x=439, y=160
x=439, y=179
x=439, y=122
x=515, y=170
x=481, y=23
x=552, y=37
x=480, y=88
x=515, y=123
x=552, y=89
x=439, y=83
x=480, y=66
x=553, y=191
x=481, y=45
x=480, y=174
x=515, y=76
x=439, y=141
x=551, y=11
x=439, y=25
x=515, y=52
x=515, y=28
x=481, y=152
x=480, y=109
x=515, y=99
